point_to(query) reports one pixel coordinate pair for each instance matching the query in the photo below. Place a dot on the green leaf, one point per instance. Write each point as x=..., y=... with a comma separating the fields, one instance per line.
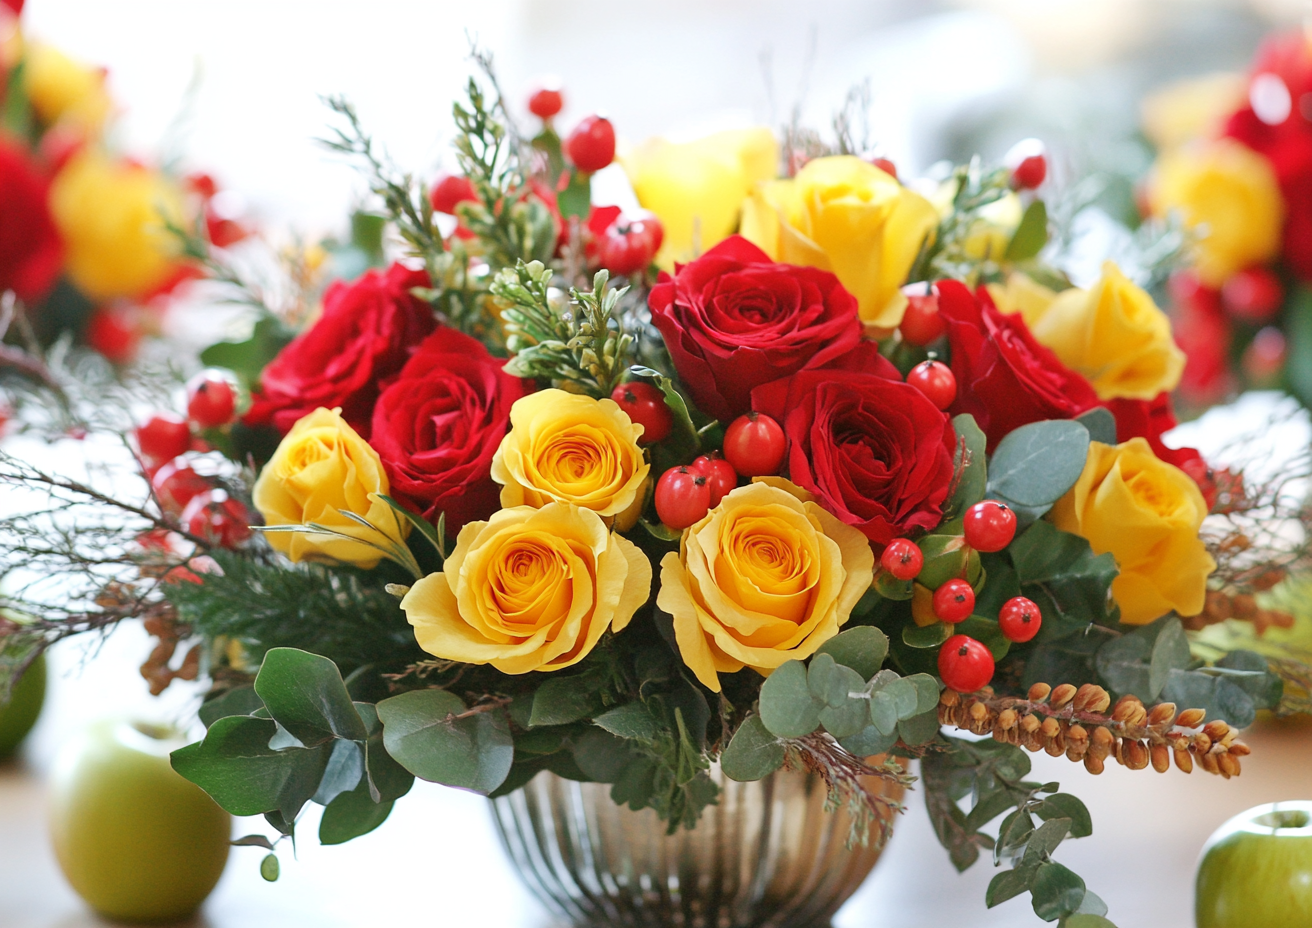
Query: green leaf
x=344, y=772
x=988, y=632
x=832, y=682
x=972, y=466
x=945, y=558
x=1037, y=463
x=236, y=766
x=1140, y=662
x=635, y=785
x=753, y=753
x=889, y=587
x=1007, y=885
x=426, y=528
x=269, y=868
x=305, y=694
x=1060, y=572
x=239, y=701
x=927, y=636
x=562, y=700
x=1086, y=921
x=919, y=729
x=989, y=806
x=1031, y=235
x=927, y=692
x=904, y=693
x=602, y=756
x=352, y=814
x=247, y=359
x=1046, y=838
x=1101, y=424
x=473, y=753
x=846, y=720
x=1064, y=805
x=788, y=709
x=1298, y=329
x=683, y=443
x=631, y=720
x=863, y=649
x=870, y=740
x=1170, y=652
x=1092, y=904
x=387, y=780
x=1217, y=693
x=575, y=199
x=1250, y=671
x=1056, y=891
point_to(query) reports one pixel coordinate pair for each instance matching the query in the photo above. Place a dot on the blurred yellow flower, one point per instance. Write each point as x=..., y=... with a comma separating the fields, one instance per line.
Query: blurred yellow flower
x=1192, y=108
x=1114, y=335
x=64, y=90
x=529, y=589
x=321, y=470
x=567, y=448
x=845, y=215
x=110, y=216
x=1022, y=294
x=991, y=233
x=764, y=578
x=1228, y=192
x=697, y=188
x=1147, y=513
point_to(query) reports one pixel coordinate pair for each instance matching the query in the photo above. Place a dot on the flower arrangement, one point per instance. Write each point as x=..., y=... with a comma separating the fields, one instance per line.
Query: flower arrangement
x=855, y=470
x=86, y=245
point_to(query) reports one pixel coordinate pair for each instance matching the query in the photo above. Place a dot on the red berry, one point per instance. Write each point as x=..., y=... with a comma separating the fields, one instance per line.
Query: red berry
x=163, y=436
x=754, y=444
x=888, y=167
x=217, y=518
x=645, y=405
x=449, y=190
x=1028, y=162
x=1253, y=295
x=113, y=333
x=921, y=323
x=965, y=664
x=591, y=146
x=629, y=244
x=719, y=473
x=935, y=380
x=1020, y=619
x=902, y=558
x=546, y=101
x=176, y=484
x=990, y=525
x=954, y=601
x=1265, y=356
x=211, y=401
x=683, y=497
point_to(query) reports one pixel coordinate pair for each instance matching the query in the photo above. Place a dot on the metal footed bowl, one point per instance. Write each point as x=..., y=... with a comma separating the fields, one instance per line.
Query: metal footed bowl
x=766, y=856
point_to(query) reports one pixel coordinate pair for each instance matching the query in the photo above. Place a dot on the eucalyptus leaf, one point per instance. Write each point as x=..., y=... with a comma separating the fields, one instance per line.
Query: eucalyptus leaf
x=870, y=740
x=562, y=700
x=883, y=712
x=969, y=461
x=753, y=752
x=631, y=720
x=473, y=753
x=241, y=700
x=1056, y=891
x=845, y=720
x=343, y=773
x=863, y=649
x=1101, y=424
x=1064, y=805
x=831, y=682
x=926, y=636
x=352, y=814
x=1031, y=235
x=305, y=694
x=788, y=709
x=1037, y=463
x=919, y=729
x=1007, y=885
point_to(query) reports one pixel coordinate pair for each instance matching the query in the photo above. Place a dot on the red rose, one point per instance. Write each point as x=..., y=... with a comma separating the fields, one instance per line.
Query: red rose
x=437, y=426
x=1150, y=420
x=733, y=320
x=875, y=452
x=366, y=333
x=1005, y=379
x=31, y=252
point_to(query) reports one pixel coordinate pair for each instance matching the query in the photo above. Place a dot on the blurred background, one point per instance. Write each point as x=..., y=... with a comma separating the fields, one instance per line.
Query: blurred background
x=234, y=89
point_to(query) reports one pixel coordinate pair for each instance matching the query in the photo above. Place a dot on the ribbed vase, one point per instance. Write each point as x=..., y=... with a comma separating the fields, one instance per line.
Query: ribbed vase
x=767, y=855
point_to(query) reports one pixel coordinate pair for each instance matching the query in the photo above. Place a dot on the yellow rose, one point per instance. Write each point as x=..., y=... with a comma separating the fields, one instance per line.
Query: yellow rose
x=847, y=216
x=322, y=469
x=110, y=216
x=1192, y=108
x=697, y=188
x=1147, y=514
x=1113, y=334
x=991, y=233
x=64, y=90
x=529, y=589
x=1022, y=294
x=764, y=578
x=567, y=448
x=1227, y=191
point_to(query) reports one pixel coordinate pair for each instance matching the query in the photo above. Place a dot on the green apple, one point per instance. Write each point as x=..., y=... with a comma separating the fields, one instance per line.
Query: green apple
x=25, y=701
x=137, y=841
x=1256, y=870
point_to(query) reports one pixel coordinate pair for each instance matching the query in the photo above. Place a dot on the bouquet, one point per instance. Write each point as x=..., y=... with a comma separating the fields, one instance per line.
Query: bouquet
x=85, y=247
x=805, y=497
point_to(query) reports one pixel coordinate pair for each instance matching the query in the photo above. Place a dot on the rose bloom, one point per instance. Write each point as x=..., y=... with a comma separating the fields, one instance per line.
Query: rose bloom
x=438, y=425
x=1150, y=420
x=1230, y=191
x=529, y=590
x=1114, y=335
x=322, y=469
x=1020, y=293
x=764, y=578
x=30, y=250
x=65, y=91
x=108, y=214
x=733, y=320
x=367, y=331
x=696, y=188
x=845, y=215
x=1147, y=513
x=567, y=448
x=1005, y=377
x=874, y=451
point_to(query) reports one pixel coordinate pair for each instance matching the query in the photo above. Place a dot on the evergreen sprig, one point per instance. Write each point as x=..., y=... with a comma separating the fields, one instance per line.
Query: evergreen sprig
x=580, y=346
x=946, y=257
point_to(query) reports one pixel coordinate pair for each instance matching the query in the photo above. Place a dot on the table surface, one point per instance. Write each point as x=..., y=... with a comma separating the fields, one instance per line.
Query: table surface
x=437, y=861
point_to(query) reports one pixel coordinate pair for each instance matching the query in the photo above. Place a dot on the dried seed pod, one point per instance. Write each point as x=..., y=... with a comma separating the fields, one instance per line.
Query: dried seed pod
x=1216, y=730
x=1217, y=607
x=1125, y=708
x=1136, y=754
x=1102, y=738
x=1056, y=748
x=1228, y=765
x=1209, y=763
x=1202, y=743
x=1039, y=692
x=1062, y=695
x=949, y=697
x=1091, y=698
x=1245, y=605
x=979, y=711
x=1191, y=718
x=1238, y=749
x=1161, y=757
x=190, y=664
x=1007, y=719
x=1184, y=761
x=1050, y=727
x=1077, y=733
x=1162, y=714
x=1093, y=763
x=1030, y=724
